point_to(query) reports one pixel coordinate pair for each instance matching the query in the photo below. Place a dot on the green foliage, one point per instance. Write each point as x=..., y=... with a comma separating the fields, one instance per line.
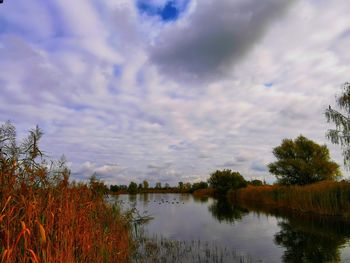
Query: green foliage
x=302, y=161
x=341, y=118
x=225, y=180
x=132, y=189
x=256, y=182
x=181, y=185
x=199, y=185
x=114, y=188
x=158, y=185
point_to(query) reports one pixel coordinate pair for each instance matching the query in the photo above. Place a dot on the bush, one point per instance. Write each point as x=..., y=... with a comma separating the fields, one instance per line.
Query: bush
x=225, y=180
x=255, y=182
x=200, y=185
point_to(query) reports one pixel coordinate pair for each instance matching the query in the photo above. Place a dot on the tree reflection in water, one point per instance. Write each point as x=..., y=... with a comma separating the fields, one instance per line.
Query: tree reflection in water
x=132, y=198
x=224, y=211
x=201, y=199
x=312, y=240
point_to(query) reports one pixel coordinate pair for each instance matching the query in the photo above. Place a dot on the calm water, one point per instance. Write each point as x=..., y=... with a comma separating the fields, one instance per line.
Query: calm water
x=264, y=237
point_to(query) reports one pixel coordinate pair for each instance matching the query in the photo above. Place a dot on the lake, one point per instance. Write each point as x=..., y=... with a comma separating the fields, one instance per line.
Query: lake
x=254, y=236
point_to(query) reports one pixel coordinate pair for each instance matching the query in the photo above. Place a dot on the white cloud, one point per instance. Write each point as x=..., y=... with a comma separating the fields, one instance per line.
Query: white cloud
x=96, y=90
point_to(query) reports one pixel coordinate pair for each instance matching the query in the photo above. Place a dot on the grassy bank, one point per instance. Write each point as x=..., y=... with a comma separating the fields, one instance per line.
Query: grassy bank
x=324, y=198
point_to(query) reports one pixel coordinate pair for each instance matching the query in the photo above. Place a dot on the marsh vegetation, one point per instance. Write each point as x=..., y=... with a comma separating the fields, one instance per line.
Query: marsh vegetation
x=45, y=218
x=214, y=230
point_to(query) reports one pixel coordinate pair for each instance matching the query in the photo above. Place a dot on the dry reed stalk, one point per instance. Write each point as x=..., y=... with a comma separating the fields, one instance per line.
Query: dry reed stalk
x=326, y=198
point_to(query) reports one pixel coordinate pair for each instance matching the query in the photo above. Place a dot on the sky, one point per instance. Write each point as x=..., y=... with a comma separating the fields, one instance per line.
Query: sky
x=171, y=90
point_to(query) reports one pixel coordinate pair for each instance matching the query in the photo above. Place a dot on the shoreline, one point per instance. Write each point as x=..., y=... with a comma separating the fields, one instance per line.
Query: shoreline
x=327, y=198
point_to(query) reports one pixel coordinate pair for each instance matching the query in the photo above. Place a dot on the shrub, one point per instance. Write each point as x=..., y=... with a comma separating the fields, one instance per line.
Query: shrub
x=225, y=180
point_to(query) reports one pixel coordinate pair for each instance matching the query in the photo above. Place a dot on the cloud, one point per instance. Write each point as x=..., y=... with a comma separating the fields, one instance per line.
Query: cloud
x=227, y=165
x=104, y=97
x=213, y=37
x=109, y=173
x=258, y=167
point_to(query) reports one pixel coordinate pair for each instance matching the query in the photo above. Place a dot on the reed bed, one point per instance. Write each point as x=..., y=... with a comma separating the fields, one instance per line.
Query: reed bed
x=61, y=224
x=324, y=198
x=207, y=192
x=44, y=218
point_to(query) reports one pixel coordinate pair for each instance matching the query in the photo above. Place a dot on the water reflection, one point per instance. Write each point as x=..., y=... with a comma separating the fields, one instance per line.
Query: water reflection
x=200, y=199
x=265, y=234
x=145, y=198
x=132, y=198
x=184, y=197
x=224, y=211
x=312, y=240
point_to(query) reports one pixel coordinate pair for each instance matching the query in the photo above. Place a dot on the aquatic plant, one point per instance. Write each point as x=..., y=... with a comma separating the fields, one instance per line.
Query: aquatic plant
x=45, y=218
x=160, y=249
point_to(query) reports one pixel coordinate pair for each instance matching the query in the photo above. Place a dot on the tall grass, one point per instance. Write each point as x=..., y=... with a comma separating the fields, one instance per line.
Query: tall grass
x=44, y=218
x=324, y=198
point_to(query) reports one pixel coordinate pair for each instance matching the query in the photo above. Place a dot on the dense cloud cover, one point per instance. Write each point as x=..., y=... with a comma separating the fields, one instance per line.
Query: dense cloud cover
x=171, y=90
x=213, y=37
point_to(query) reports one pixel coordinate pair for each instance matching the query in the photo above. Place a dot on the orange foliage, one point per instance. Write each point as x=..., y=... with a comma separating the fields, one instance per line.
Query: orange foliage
x=207, y=192
x=62, y=224
x=326, y=198
x=44, y=218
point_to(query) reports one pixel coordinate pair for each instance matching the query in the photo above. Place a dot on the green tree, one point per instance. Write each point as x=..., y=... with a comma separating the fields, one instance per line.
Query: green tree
x=302, y=161
x=132, y=189
x=181, y=185
x=145, y=185
x=199, y=185
x=114, y=188
x=341, y=118
x=255, y=182
x=158, y=185
x=225, y=180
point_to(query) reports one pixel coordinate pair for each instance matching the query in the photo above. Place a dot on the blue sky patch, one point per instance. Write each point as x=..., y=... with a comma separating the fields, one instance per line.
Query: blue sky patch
x=268, y=84
x=117, y=70
x=170, y=11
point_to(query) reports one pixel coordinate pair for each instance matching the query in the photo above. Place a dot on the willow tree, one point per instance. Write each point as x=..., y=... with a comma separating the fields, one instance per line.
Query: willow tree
x=341, y=118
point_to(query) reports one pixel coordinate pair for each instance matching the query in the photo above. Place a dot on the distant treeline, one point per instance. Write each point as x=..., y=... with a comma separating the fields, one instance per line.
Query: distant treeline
x=134, y=188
